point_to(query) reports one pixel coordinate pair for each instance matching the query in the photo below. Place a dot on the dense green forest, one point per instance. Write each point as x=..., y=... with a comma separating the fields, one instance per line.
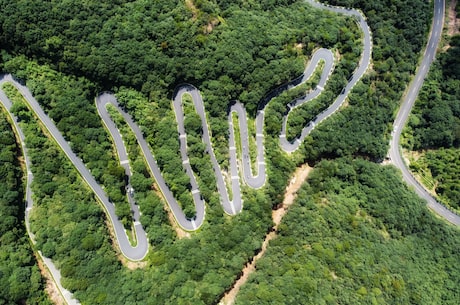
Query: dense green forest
x=434, y=126
x=68, y=51
x=20, y=279
x=357, y=235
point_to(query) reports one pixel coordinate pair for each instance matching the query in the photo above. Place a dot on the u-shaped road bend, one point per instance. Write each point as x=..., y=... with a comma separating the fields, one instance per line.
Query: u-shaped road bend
x=234, y=205
x=135, y=253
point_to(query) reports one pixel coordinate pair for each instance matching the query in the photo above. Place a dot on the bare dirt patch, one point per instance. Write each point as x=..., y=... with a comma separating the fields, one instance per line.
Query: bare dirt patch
x=180, y=233
x=454, y=22
x=211, y=25
x=191, y=6
x=50, y=286
x=291, y=193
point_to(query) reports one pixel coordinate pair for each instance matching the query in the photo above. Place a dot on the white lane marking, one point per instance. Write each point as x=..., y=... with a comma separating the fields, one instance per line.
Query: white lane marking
x=195, y=191
x=259, y=135
x=283, y=136
x=232, y=148
x=137, y=223
x=186, y=161
x=235, y=177
x=233, y=207
x=124, y=162
x=261, y=163
x=182, y=136
x=193, y=224
x=320, y=88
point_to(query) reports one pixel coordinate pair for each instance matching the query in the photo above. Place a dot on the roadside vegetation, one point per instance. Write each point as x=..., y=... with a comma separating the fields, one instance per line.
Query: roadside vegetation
x=230, y=50
x=69, y=102
x=433, y=131
x=21, y=281
x=362, y=128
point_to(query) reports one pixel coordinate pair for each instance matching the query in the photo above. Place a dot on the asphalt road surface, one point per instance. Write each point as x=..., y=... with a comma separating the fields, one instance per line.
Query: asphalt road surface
x=395, y=153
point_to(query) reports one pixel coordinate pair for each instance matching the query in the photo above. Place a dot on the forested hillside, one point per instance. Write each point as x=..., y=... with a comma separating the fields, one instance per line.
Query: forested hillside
x=363, y=128
x=67, y=52
x=228, y=51
x=357, y=235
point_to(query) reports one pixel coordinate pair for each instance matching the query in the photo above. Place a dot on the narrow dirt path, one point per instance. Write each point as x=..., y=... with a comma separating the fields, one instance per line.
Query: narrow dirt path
x=298, y=178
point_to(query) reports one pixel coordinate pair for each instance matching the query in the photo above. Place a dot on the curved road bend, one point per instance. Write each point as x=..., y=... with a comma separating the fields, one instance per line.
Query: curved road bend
x=234, y=205
x=182, y=220
x=123, y=159
x=404, y=111
x=230, y=206
x=363, y=65
x=133, y=253
x=55, y=273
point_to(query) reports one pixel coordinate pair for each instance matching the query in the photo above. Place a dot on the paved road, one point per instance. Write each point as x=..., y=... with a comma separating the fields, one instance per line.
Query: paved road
x=133, y=253
x=122, y=156
x=55, y=273
x=404, y=111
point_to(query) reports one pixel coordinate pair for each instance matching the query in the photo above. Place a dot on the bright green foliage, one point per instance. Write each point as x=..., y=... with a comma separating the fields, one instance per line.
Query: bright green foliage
x=435, y=125
x=357, y=235
x=229, y=50
x=20, y=279
x=443, y=166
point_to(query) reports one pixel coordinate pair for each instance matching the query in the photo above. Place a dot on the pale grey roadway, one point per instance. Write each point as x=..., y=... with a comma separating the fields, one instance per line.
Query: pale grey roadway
x=122, y=155
x=230, y=206
x=133, y=253
x=404, y=111
x=55, y=273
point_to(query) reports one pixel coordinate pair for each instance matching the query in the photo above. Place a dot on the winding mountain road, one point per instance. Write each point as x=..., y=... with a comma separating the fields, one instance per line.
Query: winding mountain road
x=135, y=253
x=234, y=205
x=395, y=153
